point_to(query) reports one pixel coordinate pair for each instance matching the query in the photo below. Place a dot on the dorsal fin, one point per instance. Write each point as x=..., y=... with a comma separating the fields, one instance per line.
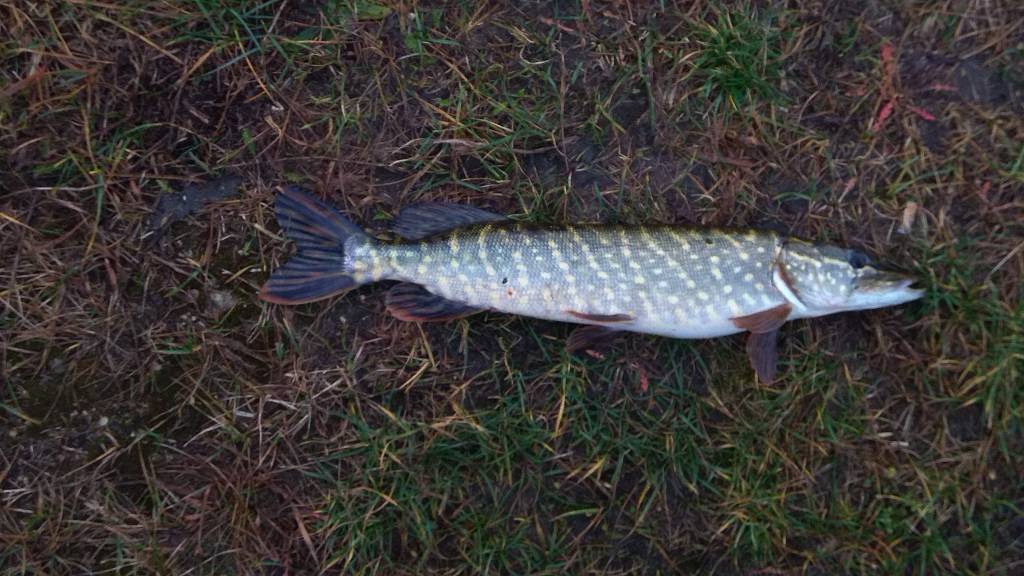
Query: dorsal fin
x=419, y=221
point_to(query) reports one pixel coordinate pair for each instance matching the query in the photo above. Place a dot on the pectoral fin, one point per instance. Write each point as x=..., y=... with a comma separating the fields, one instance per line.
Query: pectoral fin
x=762, y=349
x=762, y=344
x=765, y=320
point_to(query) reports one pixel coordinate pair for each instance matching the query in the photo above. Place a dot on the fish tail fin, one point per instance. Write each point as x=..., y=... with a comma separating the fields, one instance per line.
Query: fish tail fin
x=323, y=236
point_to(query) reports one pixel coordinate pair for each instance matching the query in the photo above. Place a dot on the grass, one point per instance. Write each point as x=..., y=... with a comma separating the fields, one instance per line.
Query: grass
x=146, y=429
x=738, y=59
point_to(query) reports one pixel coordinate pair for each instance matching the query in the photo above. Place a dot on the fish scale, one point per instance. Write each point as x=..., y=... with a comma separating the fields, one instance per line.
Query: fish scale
x=674, y=282
x=454, y=260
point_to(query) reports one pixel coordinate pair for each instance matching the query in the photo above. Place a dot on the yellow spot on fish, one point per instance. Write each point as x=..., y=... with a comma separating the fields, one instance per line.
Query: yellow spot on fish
x=716, y=273
x=563, y=265
x=748, y=277
x=734, y=308
x=638, y=279
x=691, y=284
x=662, y=284
x=673, y=299
x=703, y=295
x=727, y=289
x=602, y=275
x=545, y=275
x=715, y=259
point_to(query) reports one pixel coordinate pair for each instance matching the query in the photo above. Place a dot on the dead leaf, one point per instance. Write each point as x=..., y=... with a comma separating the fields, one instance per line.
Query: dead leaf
x=883, y=115
x=907, y=221
x=922, y=113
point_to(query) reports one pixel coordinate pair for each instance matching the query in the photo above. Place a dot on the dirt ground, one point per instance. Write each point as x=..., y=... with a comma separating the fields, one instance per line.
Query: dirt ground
x=158, y=418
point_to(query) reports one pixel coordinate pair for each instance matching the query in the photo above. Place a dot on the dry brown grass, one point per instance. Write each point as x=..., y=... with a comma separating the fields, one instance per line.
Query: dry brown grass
x=157, y=418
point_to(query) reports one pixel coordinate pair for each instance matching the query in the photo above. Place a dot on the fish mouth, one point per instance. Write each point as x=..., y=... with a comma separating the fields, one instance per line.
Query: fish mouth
x=878, y=288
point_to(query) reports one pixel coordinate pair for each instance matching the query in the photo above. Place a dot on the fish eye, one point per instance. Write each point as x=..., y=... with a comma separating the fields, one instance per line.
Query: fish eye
x=858, y=259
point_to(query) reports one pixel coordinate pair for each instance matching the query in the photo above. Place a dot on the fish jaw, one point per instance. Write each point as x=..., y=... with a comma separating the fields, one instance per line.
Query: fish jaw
x=880, y=289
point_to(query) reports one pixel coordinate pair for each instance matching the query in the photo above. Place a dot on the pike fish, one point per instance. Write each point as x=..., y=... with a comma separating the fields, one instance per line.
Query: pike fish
x=454, y=260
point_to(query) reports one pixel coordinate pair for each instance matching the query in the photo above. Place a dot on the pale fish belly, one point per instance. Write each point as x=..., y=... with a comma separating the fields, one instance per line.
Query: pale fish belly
x=673, y=282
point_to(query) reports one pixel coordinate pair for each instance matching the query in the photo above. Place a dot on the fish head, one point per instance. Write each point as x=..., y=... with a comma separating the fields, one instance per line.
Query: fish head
x=822, y=279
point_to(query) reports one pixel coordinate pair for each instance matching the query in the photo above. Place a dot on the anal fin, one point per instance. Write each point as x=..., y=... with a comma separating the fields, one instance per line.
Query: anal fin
x=414, y=303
